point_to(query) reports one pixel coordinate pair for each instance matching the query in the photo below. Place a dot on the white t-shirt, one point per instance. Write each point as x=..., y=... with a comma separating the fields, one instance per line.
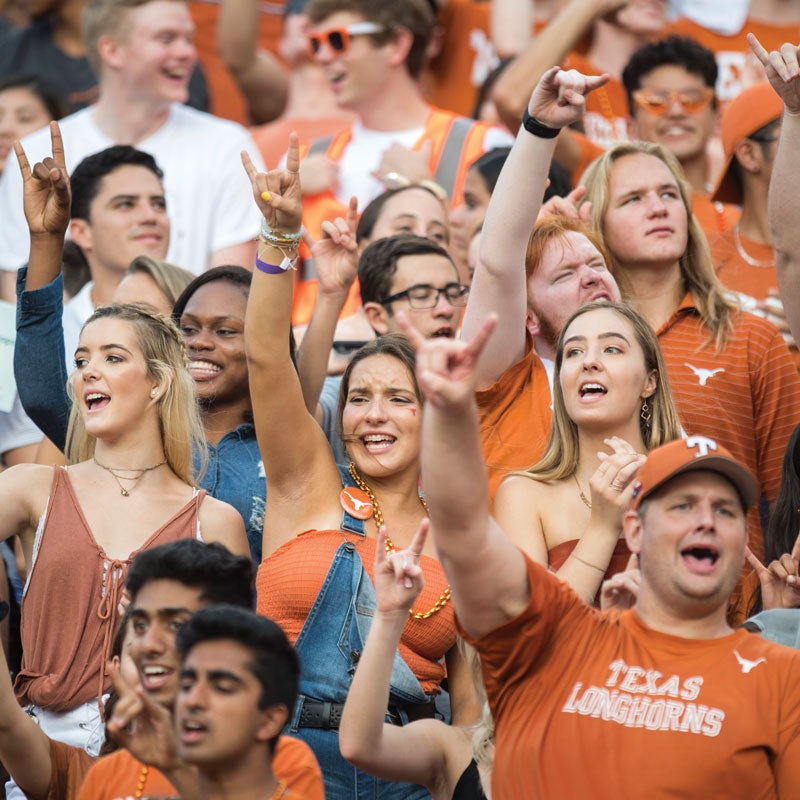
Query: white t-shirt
x=366, y=147
x=209, y=199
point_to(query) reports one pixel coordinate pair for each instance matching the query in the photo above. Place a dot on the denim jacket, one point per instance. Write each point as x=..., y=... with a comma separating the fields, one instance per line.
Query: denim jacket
x=235, y=474
x=39, y=364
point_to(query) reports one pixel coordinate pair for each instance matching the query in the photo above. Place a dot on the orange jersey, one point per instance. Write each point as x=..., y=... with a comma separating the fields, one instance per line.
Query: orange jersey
x=737, y=65
x=226, y=99
x=515, y=418
x=589, y=704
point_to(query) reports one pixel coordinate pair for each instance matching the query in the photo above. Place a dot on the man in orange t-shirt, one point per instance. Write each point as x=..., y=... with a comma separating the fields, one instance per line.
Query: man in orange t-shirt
x=743, y=256
x=710, y=711
x=168, y=585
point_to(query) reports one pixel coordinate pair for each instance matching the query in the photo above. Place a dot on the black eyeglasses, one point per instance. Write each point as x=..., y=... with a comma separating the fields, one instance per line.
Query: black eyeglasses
x=424, y=296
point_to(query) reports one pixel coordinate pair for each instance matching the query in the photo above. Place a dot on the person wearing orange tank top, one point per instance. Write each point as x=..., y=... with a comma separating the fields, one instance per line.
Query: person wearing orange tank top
x=320, y=538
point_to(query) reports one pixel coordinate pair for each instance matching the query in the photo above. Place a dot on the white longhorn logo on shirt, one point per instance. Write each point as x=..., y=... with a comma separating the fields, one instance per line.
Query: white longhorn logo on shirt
x=703, y=374
x=747, y=665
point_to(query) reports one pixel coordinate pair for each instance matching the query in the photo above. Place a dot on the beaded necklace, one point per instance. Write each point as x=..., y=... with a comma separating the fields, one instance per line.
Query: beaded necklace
x=390, y=548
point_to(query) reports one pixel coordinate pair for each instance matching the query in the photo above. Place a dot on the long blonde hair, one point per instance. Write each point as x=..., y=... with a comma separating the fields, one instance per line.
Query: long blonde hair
x=697, y=268
x=560, y=458
x=483, y=730
x=178, y=413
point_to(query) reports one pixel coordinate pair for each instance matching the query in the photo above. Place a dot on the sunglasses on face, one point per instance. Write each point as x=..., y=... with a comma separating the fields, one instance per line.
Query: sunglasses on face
x=338, y=39
x=655, y=102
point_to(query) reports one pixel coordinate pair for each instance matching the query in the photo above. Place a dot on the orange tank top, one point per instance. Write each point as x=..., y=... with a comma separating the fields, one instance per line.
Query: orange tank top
x=290, y=579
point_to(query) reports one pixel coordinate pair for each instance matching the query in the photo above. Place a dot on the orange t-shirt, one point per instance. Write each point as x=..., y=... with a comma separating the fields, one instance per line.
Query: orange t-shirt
x=592, y=704
x=736, y=273
x=714, y=217
x=515, y=416
x=226, y=99
x=290, y=579
x=737, y=65
x=747, y=396
x=68, y=768
x=117, y=776
x=606, y=119
x=467, y=56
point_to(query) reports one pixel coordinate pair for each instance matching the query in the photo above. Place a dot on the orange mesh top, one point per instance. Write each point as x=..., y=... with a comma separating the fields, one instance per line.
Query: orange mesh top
x=290, y=579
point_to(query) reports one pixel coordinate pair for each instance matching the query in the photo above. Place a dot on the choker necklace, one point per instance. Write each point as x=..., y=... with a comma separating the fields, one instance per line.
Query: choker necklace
x=119, y=478
x=378, y=514
x=584, y=499
x=746, y=257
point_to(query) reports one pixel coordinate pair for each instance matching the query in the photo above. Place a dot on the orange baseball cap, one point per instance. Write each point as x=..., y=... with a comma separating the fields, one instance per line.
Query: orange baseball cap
x=753, y=108
x=686, y=455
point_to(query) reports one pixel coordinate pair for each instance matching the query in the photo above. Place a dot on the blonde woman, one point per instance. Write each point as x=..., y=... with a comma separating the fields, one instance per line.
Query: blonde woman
x=129, y=486
x=611, y=404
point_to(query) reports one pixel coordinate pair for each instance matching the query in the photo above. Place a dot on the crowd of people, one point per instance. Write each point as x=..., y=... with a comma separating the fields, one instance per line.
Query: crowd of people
x=405, y=399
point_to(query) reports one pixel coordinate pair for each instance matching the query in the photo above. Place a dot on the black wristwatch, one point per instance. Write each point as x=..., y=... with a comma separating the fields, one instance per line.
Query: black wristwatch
x=537, y=128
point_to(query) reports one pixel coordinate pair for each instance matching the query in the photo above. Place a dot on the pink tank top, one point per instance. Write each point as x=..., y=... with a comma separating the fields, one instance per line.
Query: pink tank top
x=71, y=600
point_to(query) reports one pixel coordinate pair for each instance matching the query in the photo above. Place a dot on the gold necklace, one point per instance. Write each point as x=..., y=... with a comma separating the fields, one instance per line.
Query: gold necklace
x=141, y=782
x=584, y=499
x=746, y=257
x=278, y=793
x=118, y=478
x=378, y=514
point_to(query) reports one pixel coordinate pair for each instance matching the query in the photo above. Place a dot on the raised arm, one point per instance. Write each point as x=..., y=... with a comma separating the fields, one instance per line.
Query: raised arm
x=499, y=284
x=258, y=74
x=336, y=261
x=300, y=469
x=39, y=363
x=782, y=72
x=487, y=572
x=412, y=753
x=24, y=746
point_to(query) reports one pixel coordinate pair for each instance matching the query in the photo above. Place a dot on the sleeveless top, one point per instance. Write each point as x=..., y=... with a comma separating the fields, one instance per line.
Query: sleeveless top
x=469, y=784
x=619, y=559
x=71, y=600
x=290, y=579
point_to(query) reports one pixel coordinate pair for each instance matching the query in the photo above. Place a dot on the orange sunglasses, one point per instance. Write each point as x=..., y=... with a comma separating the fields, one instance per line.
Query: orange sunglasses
x=657, y=102
x=338, y=39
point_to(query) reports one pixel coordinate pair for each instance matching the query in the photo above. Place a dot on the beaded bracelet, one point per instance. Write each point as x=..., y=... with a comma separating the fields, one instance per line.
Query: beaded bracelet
x=280, y=237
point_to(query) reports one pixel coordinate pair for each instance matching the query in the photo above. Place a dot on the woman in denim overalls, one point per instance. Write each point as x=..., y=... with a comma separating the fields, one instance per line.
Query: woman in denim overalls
x=315, y=579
